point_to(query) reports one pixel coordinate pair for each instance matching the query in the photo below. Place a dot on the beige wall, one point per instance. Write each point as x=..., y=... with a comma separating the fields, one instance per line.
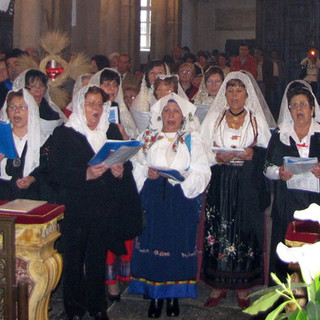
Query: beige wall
x=207, y=25
x=105, y=26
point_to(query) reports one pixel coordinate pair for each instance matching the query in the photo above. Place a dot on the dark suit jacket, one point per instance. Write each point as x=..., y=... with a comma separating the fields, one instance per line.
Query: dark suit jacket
x=117, y=198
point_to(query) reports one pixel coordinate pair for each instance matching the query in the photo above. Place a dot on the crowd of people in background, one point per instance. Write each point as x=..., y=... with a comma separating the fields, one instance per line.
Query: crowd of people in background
x=224, y=124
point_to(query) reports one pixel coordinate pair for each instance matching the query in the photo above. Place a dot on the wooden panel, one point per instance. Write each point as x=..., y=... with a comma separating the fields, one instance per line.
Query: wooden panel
x=6, y=28
x=7, y=269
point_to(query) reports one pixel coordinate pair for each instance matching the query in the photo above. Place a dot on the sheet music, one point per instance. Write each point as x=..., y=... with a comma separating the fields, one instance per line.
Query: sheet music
x=302, y=178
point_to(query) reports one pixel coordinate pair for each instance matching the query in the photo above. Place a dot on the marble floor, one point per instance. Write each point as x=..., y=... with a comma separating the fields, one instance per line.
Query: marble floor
x=134, y=307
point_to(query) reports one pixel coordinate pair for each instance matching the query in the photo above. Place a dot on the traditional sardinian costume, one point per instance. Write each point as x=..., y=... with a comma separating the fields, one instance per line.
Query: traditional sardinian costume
x=285, y=142
x=164, y=263
x=236, y=197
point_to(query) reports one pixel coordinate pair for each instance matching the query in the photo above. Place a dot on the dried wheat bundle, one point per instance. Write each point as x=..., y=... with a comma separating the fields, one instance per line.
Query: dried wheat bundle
x=54, y=42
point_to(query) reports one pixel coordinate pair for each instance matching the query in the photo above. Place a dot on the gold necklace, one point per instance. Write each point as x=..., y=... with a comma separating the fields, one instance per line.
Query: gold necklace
x=168, y=138
x=235, y=118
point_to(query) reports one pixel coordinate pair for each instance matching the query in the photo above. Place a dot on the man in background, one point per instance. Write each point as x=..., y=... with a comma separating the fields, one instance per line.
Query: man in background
x=245, y=61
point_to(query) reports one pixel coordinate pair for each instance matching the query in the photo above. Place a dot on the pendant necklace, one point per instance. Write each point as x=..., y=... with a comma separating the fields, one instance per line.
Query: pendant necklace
x=235, y=117
x=16, y=162
x=168, y=138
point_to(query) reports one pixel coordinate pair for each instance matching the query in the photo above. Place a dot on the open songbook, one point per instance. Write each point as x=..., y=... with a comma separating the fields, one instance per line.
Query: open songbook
x=7, y=146
x=169, y=173
x=116, y=151
x=302, y=178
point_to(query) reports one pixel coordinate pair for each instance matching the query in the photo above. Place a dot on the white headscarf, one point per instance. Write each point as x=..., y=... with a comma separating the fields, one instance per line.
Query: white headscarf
x=188, y=110
x=20, y=82
x=219, y=106
x=285, y=121
x=152, y=133
x=36, y=138
x=125, y=116
x=78, y=121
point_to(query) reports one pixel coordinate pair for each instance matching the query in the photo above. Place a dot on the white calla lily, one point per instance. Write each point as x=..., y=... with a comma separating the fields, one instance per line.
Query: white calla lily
x=310, y=213
x=308, y=257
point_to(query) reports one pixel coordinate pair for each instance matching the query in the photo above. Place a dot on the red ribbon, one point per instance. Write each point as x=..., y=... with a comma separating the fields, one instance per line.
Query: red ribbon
x=302, y=145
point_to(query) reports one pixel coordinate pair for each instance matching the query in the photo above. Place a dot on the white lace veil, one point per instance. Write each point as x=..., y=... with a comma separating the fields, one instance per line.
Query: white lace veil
x=202, y=96
x=219, y=106
x=36, y=137
x=125, y=116
x=145, y=98
x=284, y=114
x=78, y=121
x=285, y=121
x=265, y=108
x=77, y=86
x=20, y=82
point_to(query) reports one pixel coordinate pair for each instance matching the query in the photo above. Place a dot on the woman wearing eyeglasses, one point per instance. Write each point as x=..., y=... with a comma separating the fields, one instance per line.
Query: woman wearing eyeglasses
x=24, y=177
x=102, y=204
x=298, y=135
x=186, y=74
x=36, y=82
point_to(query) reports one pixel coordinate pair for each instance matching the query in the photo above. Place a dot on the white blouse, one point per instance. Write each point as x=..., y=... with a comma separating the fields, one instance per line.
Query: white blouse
x=193, y=165
x=303, y=146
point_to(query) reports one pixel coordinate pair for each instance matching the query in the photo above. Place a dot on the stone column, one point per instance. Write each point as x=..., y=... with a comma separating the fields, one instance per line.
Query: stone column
x=165, y=27
x=119, y=28
x=27, y=23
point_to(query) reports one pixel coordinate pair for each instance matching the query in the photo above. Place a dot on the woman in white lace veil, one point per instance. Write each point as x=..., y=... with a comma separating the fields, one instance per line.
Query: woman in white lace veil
x=285, y=120
x=34, y=137
x=216, y=76
x=39, y=78
x=145, y=99
x=81, y=81
x=237, y=195
x=125, y=116
x=219, y=106
x=297, y=136
x=265, y=108
x=78, y=121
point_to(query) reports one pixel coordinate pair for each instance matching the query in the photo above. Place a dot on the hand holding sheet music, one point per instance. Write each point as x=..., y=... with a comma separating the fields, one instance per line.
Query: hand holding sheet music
x=116, y=151
x=169, y=173
x=302, y=178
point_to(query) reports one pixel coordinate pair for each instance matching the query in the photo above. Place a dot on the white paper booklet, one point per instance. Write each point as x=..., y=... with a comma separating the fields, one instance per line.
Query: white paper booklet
x=227, y=150
x=302, y=178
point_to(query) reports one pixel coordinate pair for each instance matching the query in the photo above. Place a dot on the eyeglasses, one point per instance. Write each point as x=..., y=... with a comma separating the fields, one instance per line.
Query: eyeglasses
x=14, y=108
x=92, y=104
x=185, y=71
x=34, y=87
x=302, y=104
